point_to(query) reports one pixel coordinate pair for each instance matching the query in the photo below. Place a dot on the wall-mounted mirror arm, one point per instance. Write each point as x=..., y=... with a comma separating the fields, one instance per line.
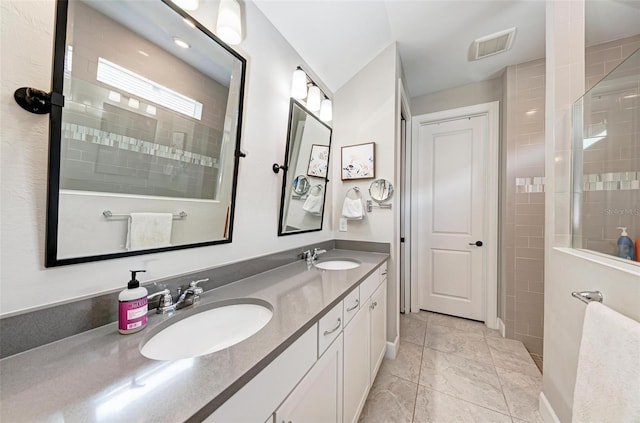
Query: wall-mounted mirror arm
x=370, y=206
x=37, y=101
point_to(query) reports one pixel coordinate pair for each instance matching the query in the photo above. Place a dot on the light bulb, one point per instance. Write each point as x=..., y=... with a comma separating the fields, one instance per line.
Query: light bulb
x=326, y=110
x=186, y=4
x=299, y=84
x=313, y=99
x=229, y=27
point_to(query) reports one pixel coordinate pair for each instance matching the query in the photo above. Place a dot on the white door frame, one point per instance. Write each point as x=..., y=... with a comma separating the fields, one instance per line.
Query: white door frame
x=491, y=110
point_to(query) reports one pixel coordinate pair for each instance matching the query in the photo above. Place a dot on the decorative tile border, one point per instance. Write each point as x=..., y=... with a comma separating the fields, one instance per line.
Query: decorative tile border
x=530, y=184
x=611, y=181
x=96, y=136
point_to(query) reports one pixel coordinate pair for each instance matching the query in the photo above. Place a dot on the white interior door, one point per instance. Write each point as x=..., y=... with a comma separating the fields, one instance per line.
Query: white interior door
x=450, y=192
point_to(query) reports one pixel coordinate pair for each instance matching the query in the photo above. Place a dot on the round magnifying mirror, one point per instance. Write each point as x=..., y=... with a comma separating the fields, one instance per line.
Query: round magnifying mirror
x=381, y=190
x=301, y=185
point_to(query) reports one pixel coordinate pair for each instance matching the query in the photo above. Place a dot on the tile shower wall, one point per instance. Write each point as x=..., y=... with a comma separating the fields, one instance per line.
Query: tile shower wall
x=612, y=165
x=523, y=198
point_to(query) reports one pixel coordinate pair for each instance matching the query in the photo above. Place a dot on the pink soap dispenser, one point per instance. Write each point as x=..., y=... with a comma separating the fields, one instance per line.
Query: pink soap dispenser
x=132, y=306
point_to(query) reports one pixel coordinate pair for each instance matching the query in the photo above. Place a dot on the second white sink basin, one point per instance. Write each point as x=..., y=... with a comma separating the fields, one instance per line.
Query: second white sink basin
x=343, y=264
x=207, y=332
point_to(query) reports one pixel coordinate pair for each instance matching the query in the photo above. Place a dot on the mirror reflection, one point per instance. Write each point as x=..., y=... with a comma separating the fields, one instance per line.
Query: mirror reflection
x=381, y=190
x=305, y=176
x=149, y=133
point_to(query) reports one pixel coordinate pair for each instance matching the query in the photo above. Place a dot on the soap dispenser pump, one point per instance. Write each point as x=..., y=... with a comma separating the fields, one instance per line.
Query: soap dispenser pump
x=132, y=306
x=625, y=245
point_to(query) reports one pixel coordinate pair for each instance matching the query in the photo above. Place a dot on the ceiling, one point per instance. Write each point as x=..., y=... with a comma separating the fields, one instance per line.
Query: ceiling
x=337, y=38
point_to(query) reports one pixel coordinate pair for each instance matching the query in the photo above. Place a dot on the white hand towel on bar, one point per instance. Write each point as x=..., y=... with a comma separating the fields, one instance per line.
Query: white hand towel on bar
x=149, y=230
x=352, y=208
x=608, y=381
x=313, y=204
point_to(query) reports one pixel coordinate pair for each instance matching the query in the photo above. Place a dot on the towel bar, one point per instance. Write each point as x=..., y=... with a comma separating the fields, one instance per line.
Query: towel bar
x=588, y=296
x=108, y=214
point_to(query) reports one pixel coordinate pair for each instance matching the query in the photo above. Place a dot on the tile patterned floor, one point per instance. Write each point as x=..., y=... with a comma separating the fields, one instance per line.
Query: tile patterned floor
x=454, y=370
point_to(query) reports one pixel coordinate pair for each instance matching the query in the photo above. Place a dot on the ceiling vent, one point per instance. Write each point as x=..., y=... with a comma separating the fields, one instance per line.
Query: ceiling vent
x=492, y=44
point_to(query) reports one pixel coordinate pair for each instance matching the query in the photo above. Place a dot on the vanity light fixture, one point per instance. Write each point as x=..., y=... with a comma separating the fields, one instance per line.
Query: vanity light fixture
x=313, y=99
x=299, y=84
x=189, y=5
x=229, y=25
x=326, y=110
x=303, y=87
x=181, y=43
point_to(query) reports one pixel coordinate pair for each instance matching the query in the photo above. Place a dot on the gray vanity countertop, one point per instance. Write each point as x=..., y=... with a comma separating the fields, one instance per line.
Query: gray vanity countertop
x=100, y=375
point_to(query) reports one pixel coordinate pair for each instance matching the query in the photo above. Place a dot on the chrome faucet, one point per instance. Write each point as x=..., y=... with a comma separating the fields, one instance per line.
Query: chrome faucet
x=311, y=257
x=316, y=253
x=165, y=301
x=191, y=295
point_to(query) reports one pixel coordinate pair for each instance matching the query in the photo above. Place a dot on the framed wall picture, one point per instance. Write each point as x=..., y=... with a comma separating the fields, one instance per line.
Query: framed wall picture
x=318, y=161
x=358, y=161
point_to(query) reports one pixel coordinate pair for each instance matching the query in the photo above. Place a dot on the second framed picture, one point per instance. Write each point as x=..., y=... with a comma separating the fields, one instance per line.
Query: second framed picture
x=318, y=161
x=358, y=161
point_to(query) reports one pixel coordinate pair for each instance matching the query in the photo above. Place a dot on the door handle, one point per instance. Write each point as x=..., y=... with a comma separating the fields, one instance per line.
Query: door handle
x=477, y=243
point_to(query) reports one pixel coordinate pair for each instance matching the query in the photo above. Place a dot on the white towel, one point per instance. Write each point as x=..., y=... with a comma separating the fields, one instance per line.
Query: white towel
x=608, y=382
x=313, y=204
x=352, y=208
x=149, y=230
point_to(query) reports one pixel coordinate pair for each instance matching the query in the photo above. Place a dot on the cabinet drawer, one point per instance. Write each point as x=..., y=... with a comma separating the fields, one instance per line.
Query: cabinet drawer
x=329, y=327
x=369, y=286
x=351, y=305
x=382, y=271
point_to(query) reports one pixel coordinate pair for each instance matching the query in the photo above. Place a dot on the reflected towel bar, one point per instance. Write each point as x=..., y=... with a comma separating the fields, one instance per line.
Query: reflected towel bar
x=588, y=296
x=108, y=214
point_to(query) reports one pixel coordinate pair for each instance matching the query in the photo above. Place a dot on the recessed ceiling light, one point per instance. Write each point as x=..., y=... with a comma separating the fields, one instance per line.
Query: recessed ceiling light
x=189, y=22
x=114, y=96
x=181, y=43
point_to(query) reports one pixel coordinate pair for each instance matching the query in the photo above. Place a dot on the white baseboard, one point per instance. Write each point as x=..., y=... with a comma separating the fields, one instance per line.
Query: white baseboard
x=546, y=411
x=501, y=327
x=392, y=348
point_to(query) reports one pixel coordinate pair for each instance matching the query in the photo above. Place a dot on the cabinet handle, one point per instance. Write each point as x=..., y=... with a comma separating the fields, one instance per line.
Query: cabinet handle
x=329, y=332
x=354, y=306
x=373, y=305
x=384, y=273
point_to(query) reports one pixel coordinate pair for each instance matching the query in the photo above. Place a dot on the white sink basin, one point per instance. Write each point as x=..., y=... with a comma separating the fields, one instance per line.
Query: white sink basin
x=207, y=332
x=344, y=264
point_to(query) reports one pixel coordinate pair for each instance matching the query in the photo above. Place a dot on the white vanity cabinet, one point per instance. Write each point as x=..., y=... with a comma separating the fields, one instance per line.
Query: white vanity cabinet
x=326, y=374
x=365, y=340
x=318, y=397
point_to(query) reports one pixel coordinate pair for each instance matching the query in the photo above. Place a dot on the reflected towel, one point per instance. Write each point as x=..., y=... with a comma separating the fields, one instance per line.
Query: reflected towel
x=608, y=381
x=352, y=208
x=313, y=204
x=149, y=230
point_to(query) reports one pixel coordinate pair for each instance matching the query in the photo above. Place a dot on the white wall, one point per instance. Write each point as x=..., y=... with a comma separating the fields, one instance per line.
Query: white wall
x=365, y=111
x=452, y=98
x=565, y=269
x=26, y=61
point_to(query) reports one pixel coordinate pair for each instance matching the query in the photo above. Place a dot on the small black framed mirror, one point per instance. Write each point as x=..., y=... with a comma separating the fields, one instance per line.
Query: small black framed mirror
x=144, y=153
x=305, y=172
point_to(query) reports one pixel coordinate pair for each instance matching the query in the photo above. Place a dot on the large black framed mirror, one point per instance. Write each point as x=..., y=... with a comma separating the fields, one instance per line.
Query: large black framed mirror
x=144, y=154
x=305, y=172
